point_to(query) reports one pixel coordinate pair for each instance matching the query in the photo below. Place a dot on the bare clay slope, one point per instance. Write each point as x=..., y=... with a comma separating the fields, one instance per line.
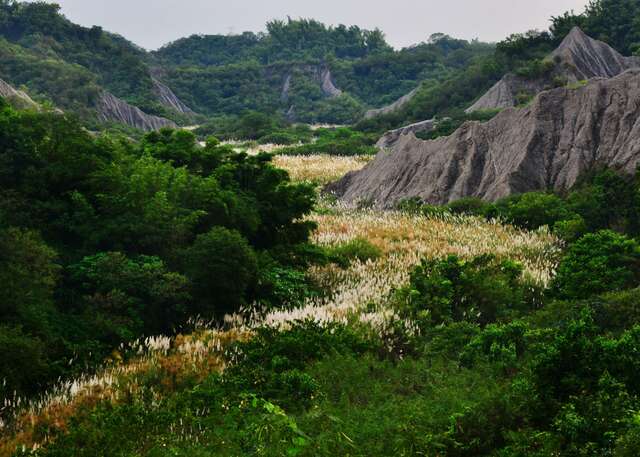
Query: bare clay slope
x=578, y=57
x=393, y=107
x=548, y=144
x=112, y=109
x=16, y=97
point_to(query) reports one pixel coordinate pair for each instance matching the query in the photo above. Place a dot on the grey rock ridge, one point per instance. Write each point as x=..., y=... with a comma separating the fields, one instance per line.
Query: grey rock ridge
x=323, y=75
x=578, y=58
x=504, y=93
x=112, y=109
x=392, y=136
x=16, y=97
x=168, y=99
x=563, y=133
x=393, y=107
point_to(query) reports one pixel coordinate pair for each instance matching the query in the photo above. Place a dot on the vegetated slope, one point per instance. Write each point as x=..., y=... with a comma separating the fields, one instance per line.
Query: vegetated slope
x=300, y=69
x=547, y=145
x=578, y=58
x=328, y=74
x=17, y=98
x=78, y=68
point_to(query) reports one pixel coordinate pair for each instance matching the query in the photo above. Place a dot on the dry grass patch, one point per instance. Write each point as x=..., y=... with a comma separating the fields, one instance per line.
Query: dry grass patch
x=320, y=168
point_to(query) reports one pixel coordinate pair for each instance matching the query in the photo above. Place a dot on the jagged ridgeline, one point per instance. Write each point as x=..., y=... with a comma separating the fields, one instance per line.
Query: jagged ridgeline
x=589, y=120
x=527, y=61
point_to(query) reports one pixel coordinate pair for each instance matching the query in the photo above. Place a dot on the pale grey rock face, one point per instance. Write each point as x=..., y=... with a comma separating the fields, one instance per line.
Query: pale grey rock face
x=168, y=99
x=112, y=109
x=15, y=96
x=393, y=107
x=563, y=133
x=326, y=83
x=319, y=73
x=578, y=58
x=505, y=92
x=390, y=138
x=286, y=87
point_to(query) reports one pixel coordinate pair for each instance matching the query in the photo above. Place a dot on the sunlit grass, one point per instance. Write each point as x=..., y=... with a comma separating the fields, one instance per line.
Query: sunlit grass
x=320, y=168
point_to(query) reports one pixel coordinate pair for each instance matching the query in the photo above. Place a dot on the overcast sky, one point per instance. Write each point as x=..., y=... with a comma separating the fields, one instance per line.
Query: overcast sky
x=152, y=23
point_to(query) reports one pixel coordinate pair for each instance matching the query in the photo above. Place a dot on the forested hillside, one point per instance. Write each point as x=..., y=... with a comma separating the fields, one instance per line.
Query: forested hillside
x=298, y=69
x=221, y=75
x=66, y=63
x=105, y=241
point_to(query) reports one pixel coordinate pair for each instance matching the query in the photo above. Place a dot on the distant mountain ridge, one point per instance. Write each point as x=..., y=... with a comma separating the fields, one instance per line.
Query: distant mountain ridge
x=301, y=69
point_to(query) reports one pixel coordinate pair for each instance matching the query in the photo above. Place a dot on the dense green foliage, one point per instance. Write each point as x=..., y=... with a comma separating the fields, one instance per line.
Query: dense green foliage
x=103, y=241
x=597, y=263
x=601, y=200
x=561, y=381
x=284, y=41
x=223, y=75
x=480, y=291
x=341, y=142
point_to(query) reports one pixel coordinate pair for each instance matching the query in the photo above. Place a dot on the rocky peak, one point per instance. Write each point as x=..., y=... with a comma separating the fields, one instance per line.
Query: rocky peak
x=579, y=57
x=563, y=133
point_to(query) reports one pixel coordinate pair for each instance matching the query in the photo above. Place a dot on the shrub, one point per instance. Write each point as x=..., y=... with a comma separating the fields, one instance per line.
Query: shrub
x=537, y=68
x=532, y=210
x=570, y=229
x=503, y=345
x=470, y=205
x=23, y=362
x=607, y=200
x=282, y=286
x=359, y=249
x=341, y=141
x=222, y=267
x=134, y=295
x=451, y=290
x=283, y=138
x=598, y=262
x=272, y=363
